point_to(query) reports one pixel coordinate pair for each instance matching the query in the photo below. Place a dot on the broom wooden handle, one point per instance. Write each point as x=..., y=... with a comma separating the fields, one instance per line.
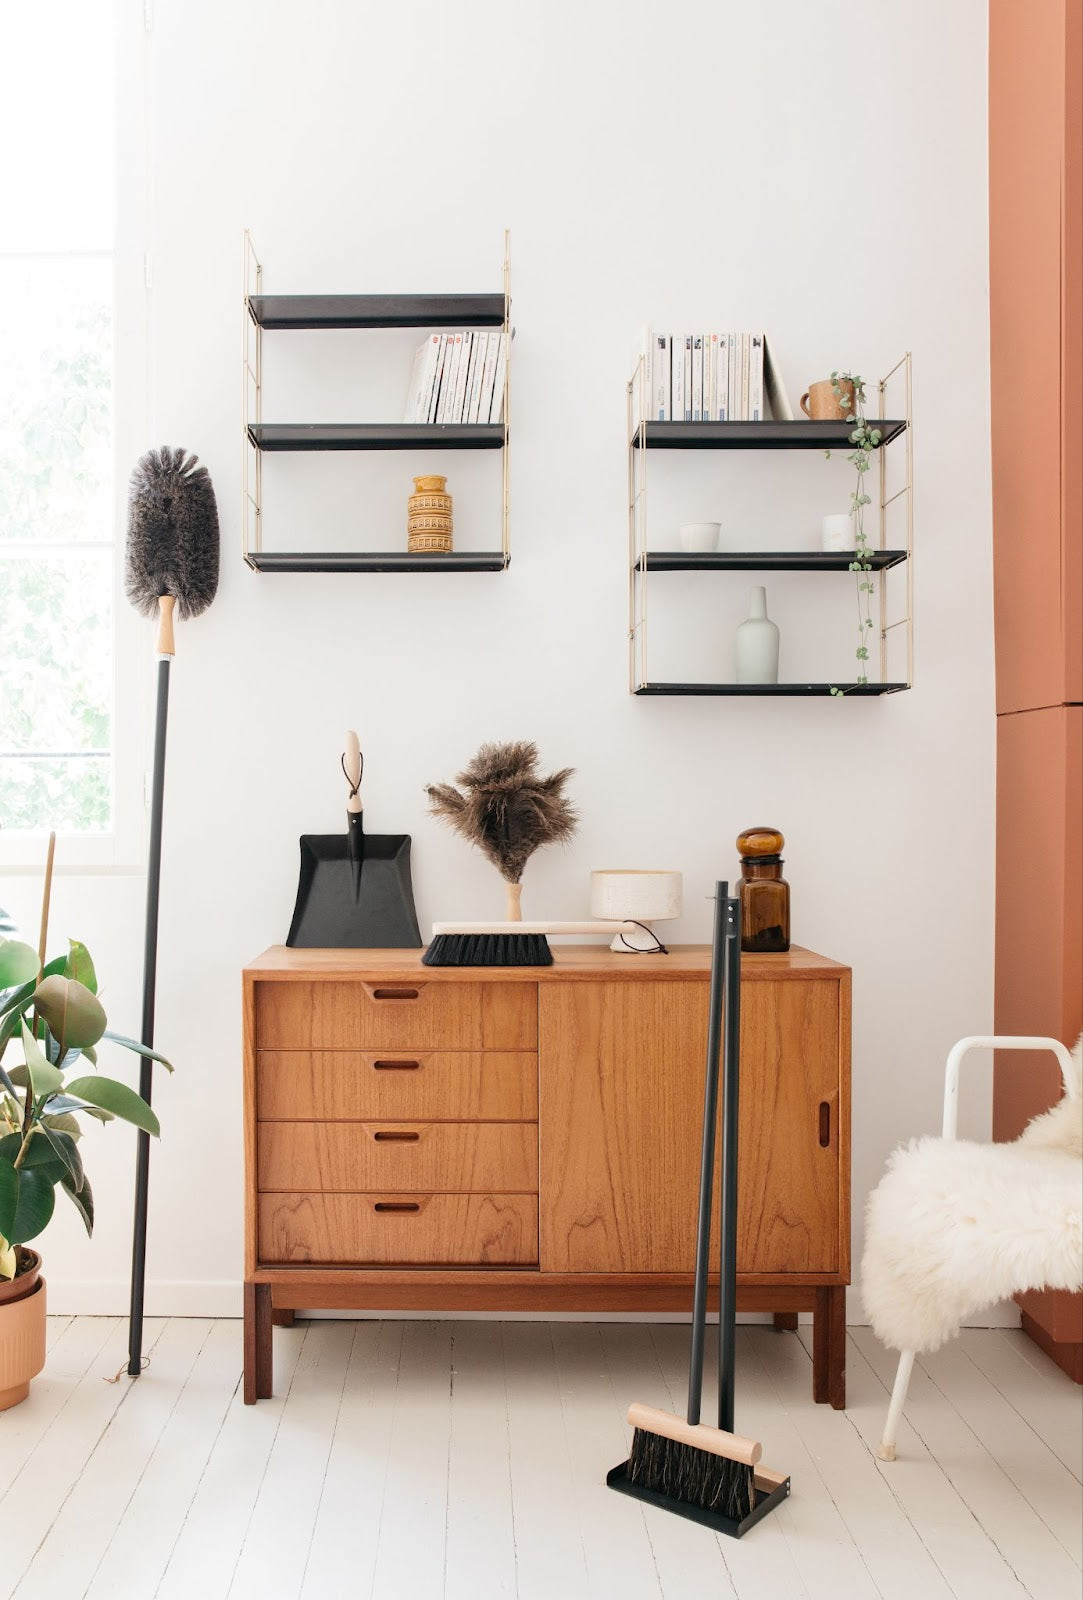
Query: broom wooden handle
x=166, y=646
x=515, y=896
x=734, y=1446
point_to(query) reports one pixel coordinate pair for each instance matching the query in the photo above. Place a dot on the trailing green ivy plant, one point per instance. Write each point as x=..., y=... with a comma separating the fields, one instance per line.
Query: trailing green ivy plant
x=53, y=1012
x=865, y=440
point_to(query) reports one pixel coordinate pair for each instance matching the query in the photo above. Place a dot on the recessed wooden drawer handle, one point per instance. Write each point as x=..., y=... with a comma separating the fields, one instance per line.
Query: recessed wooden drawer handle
x=396, y=1205
x=396, y=1066
x=403, y=1137
x=825, y=1124
x=394, y=994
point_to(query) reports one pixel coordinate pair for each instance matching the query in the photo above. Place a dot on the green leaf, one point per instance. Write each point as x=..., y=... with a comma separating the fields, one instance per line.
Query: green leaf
x=65, y=1149
x=79, y=966
x=62, y=1119
x=118, y=1098
x=44, y=1078
x=18, y=963
x=71, y=1011
x=140, y=1049
x=37, y=1198
x=9, y=1197
x=39, y=1155
x=91, y=1054
x=83, y=1201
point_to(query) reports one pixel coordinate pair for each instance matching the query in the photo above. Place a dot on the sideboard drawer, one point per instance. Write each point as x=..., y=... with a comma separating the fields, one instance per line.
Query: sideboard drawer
x=445, y=1015
x=303, y=1085
x=471, y=1157
x=399, y=1230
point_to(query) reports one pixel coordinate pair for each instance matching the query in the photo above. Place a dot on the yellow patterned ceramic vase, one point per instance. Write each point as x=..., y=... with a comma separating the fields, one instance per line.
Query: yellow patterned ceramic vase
x=429, y=521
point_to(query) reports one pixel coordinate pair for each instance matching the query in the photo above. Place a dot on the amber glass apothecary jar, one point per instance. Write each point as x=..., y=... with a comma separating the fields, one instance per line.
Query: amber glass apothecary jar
x=764, y=892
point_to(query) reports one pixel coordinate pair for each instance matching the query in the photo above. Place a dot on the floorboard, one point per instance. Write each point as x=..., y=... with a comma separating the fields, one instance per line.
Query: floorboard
x=426, y=1460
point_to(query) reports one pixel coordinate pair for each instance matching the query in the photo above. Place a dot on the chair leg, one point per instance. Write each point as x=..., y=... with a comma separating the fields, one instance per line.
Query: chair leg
x=886, y=1452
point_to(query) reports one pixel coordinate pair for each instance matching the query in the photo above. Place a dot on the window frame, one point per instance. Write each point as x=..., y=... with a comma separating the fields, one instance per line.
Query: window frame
x=123, y=847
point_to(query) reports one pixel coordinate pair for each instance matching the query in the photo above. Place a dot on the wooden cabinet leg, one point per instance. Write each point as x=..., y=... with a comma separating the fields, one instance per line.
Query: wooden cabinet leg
x=829, y=1347
x=282, y=1317
x=258, y=1370
x=786, y=1321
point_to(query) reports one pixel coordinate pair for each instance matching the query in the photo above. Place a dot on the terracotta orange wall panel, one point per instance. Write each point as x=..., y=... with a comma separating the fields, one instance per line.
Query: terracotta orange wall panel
x=1033, y=286
x=1039, y=931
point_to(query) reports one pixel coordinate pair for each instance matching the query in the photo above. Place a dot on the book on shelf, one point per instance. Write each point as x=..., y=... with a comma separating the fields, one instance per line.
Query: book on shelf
x=712, y=377
x=477, y=367
x=457, y=378
x=496, y=409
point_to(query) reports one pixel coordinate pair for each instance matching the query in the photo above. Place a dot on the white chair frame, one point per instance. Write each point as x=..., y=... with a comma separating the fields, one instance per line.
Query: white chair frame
x=886, y=1451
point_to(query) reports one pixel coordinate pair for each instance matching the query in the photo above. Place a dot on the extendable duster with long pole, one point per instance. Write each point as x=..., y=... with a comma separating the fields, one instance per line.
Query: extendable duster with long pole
x=171, y=566
x=711, y=1475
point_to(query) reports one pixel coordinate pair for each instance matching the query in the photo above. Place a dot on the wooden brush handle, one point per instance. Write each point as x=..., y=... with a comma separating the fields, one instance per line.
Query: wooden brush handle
x=515, y=895
x=352, y=763
x=734, y=1446
x=166, y=647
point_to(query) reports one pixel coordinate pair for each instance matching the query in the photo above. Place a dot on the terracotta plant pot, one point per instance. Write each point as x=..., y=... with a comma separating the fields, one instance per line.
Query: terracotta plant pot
x=821, y=403
x=22, y=1329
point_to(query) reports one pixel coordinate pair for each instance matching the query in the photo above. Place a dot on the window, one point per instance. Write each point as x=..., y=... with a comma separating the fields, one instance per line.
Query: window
x=58, y=478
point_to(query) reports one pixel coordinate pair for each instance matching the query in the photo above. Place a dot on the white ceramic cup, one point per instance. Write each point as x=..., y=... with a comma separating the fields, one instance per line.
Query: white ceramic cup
x=700, y=536
x=838, y=531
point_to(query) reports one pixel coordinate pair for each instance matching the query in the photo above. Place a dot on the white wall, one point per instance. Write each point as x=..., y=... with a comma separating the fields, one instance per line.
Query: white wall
x=696, y=164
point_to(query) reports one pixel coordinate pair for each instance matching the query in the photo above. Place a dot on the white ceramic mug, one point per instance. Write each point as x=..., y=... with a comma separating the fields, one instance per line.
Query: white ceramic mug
x=700, y=536
x=838, y=531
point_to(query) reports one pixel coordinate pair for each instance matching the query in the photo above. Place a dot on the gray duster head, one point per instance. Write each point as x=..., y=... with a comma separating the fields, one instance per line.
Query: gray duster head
x=172, y=533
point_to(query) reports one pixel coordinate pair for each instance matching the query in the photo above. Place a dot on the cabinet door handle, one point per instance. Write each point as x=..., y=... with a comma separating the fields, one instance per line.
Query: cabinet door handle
x=395, y=993
x=396, y=1066
x=396, y=1205
x=825, y=1124
x=399, y=1136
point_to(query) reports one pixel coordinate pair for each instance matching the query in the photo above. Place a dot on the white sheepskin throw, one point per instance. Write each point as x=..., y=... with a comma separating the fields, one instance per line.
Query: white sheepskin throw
x=954, y=1226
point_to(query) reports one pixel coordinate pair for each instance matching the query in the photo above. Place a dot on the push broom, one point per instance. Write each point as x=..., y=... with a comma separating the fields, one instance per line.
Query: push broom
x=171, y=566
x=711, y=1475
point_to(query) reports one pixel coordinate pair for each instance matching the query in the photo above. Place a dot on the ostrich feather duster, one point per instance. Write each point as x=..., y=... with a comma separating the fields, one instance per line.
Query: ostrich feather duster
x=172, y=533
x=505, y=807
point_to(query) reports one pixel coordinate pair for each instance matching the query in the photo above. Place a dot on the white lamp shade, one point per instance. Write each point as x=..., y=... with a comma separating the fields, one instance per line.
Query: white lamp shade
x=620, y=895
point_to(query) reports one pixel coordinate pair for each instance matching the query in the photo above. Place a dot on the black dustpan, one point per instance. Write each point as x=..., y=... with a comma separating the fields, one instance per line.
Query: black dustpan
x=331, y=914
x=354, y=891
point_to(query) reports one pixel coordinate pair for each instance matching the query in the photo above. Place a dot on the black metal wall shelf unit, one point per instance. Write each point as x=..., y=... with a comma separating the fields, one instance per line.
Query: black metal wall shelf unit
x=645, y=436
x=372, y=311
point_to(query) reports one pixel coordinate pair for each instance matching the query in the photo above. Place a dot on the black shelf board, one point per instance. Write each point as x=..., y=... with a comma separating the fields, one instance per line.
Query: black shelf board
x=375, y=561
x=760, y=435
x=377, y=310
x=767, y=560
x=775, y=689
x=377, y=435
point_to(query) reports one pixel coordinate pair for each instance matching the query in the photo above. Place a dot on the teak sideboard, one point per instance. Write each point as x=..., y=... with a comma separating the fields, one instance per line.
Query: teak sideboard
x=528, y=1139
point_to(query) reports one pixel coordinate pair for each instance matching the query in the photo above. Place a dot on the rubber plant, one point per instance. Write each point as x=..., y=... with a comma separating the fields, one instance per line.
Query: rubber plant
x=52, y=1013
x=864, y=439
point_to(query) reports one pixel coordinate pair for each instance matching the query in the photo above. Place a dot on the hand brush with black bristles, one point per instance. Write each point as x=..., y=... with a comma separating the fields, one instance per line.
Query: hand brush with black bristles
x=508, y=810
x=710, y=1475
x=171, y=565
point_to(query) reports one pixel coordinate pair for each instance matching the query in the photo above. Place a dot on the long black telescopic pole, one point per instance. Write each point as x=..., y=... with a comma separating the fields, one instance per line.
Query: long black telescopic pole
x=706, y=1165
x=146, y=1066
x=731, y=1076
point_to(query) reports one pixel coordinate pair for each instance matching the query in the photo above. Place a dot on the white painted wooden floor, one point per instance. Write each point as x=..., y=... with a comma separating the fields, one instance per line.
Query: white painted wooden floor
x=418, y=1459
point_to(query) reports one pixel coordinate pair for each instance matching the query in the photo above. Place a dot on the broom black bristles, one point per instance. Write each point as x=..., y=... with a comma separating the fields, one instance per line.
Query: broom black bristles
x=694, y=1477
x=172, y=533
x=488, y=950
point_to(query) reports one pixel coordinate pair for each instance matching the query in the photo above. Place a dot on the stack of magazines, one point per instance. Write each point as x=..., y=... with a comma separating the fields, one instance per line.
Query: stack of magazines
x=457, y=377
x=712, y=377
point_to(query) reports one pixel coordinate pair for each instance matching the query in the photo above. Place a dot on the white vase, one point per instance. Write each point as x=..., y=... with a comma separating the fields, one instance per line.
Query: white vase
x=757, y=642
